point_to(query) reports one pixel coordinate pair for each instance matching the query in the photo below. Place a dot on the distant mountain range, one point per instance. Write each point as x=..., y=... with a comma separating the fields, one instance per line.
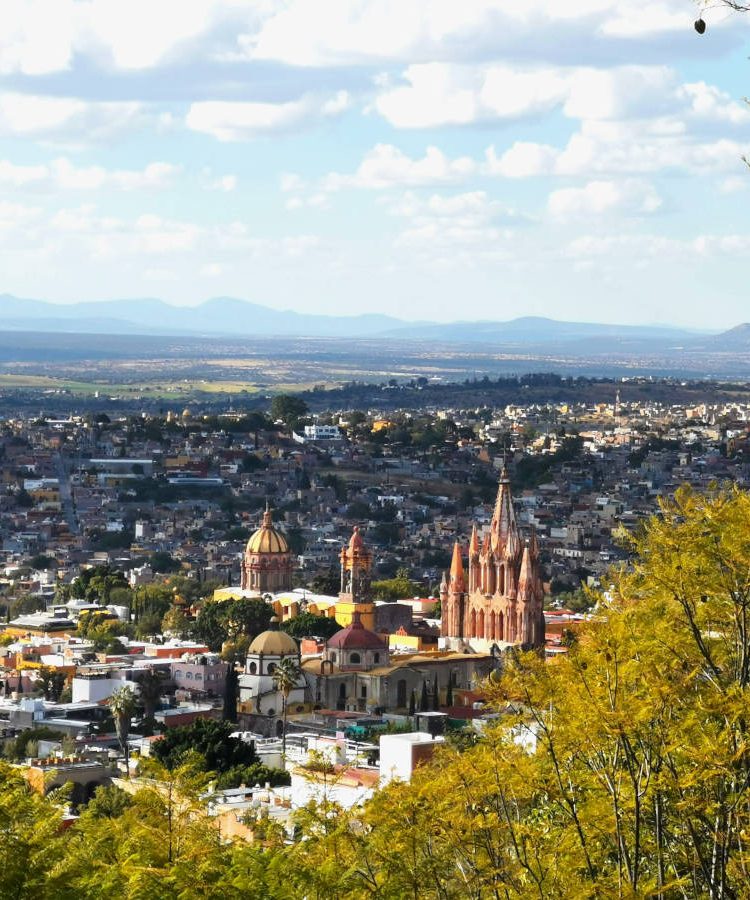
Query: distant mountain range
x=228, y=316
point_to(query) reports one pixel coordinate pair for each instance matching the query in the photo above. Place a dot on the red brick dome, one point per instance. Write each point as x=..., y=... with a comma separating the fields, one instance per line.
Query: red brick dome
x=356, y=637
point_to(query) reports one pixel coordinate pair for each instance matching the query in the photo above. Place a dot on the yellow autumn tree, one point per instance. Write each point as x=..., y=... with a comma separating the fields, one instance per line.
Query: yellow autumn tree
x=638, y=780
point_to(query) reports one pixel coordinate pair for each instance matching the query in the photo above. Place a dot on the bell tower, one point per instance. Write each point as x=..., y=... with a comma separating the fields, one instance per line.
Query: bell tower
x=355, y=595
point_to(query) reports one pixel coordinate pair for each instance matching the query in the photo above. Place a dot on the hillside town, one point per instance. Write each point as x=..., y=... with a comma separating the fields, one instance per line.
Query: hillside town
x=394, y=557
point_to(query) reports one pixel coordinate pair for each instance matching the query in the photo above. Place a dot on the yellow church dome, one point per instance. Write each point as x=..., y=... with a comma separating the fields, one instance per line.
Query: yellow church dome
x=267, y=539
x=274, y=643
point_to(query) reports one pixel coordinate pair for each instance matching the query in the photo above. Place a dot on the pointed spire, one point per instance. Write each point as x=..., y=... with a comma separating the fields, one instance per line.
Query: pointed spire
x=457, y=570
x=474, y=542
x=512, y=544
x=534, y=544
x=527, y=576
x=503, y=518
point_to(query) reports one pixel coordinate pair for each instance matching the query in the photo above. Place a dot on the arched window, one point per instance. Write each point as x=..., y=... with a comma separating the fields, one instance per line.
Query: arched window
x=252, y=668
x=355, y=659
x=271, y=668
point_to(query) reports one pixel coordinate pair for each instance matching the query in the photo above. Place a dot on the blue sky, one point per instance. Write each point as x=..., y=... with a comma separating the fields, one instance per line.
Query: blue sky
x=422, y=158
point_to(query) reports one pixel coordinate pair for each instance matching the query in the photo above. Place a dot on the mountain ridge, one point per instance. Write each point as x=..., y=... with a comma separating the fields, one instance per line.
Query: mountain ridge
x=231, y=316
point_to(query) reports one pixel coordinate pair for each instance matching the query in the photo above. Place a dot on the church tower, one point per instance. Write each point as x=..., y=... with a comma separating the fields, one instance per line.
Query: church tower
x=500, y=601
x=267, y=564
x=355, y=595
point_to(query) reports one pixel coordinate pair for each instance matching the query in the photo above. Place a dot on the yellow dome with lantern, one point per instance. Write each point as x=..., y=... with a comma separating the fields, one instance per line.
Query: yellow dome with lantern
x=267, y=539
x=274, y=643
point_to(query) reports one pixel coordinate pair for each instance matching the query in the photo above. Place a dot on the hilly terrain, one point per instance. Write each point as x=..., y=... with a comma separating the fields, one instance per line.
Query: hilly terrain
x=231, y=317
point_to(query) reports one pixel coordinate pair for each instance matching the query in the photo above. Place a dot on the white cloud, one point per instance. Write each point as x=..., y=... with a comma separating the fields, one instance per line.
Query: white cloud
x=45, y=36
x=65, y=119
x=635, y=147
x=521, y=160
x=386, y=166
x=85, y=232
x=348, y=32
x=61, y=174
x=439, y=94
x=444, y=94
x=598, y=198
x=468, y=223
x=37, y=37
x=242, y=121
x=656, y=247
x=225, y=184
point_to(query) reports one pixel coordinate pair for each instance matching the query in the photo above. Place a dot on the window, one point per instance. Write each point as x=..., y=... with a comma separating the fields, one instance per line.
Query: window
x=252, y=668
x=376, y=657
x=363, y=692
x=355, y=658
x=271, y=668
x=333, y=657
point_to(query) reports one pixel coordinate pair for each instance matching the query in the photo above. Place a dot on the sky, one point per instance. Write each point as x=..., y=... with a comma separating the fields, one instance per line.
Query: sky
x=427, y=159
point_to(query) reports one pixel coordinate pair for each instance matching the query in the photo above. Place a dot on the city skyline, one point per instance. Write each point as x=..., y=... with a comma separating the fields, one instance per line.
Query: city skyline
x=421, y=160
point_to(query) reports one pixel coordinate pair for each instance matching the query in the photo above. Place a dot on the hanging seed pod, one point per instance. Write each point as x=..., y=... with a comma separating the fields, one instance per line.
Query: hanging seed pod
x=700, y=26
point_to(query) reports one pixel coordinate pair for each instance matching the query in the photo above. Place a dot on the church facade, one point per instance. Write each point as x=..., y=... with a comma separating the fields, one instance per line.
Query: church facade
x=498, y=598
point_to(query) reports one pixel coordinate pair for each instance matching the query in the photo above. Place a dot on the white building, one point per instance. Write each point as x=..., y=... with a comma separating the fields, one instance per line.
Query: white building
x=400, y=754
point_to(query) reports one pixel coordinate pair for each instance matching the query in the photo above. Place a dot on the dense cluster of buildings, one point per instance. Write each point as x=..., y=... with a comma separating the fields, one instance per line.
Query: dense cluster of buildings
x=314, y=520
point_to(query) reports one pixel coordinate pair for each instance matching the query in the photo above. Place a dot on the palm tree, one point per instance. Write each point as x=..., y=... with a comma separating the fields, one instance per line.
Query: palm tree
x=285, y=677
x=122, y=704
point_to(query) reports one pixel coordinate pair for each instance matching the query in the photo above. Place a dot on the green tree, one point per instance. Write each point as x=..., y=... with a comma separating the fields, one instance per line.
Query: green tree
x=96, y=584
x=176, y=622
x=308, y=624
x=328, y=583
x=122, y=705
x=286, y=677
x=51, y=682
x=227, y=620
x=210, y=741
x=163, y=562
x=108, y=802
x=150, y=688
x=288, y=408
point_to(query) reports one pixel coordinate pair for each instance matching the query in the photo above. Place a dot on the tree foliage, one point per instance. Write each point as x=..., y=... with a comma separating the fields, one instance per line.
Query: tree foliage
x=227, y=620
x=619, y=770
x=210, y=741
x=96, y=584
x=308, y=624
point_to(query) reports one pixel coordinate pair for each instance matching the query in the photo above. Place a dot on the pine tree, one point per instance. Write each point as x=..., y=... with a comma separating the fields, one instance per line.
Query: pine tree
x=424, y=703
